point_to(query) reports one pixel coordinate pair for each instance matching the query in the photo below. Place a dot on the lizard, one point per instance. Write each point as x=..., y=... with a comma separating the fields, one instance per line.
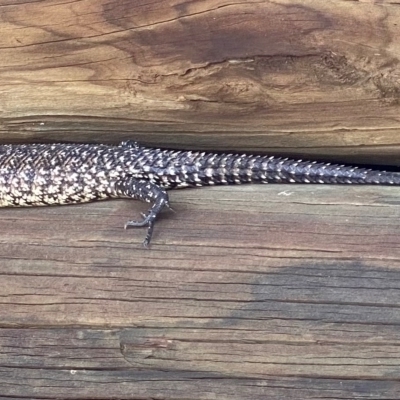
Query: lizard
x=59, y=174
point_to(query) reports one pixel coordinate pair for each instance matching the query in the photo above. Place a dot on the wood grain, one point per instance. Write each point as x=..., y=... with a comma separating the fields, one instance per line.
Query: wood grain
x=295, y=77
x=279, y=291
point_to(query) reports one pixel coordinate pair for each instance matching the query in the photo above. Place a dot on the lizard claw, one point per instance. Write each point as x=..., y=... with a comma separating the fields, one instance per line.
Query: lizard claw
x=169, y=207
x=147, y=220
x=145, y=191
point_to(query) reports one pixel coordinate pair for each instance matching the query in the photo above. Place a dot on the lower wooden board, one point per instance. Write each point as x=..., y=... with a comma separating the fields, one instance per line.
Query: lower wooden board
x=250, y=292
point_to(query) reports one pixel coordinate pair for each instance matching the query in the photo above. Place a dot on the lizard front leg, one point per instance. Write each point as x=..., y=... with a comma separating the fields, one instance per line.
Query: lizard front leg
x=145, y=191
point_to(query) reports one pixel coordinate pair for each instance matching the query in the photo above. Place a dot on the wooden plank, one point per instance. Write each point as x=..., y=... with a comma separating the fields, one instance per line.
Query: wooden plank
x=284, y=291
x=142, y=384
x=278, y=292
x=312, y=78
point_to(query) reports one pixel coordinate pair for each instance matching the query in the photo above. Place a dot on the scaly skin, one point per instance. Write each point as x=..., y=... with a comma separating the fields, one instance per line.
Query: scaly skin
x=57, y=174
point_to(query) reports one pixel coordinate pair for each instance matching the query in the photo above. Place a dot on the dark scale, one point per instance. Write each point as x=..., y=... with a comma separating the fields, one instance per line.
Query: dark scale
x=38, y=175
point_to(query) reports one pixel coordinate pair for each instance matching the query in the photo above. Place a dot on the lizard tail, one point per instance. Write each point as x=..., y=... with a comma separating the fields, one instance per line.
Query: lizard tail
x=284, y=170
x=233, y=168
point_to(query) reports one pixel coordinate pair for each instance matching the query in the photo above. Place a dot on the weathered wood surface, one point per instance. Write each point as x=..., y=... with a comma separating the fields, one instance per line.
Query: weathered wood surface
x=253, y=292
x=278, y=292
x=309, y=77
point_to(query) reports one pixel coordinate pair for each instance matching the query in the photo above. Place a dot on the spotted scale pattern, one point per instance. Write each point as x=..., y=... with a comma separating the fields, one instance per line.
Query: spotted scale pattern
x=56, y=174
